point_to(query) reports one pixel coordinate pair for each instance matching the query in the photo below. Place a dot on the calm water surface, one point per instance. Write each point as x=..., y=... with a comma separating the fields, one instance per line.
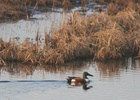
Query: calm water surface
x=114, y=80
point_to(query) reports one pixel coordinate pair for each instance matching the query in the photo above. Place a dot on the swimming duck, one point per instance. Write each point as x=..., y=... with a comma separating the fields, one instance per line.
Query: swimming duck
x=78, y=80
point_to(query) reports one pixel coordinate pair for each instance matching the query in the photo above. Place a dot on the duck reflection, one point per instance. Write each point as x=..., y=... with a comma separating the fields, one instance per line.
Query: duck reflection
x=85, y=86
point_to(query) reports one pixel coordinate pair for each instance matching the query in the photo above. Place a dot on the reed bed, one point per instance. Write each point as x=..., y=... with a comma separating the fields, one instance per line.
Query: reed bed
x=99, y=36
x=115, y=37
x=25, y=52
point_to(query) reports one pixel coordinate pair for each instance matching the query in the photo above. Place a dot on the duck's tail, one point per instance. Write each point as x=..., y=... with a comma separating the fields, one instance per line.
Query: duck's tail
x=69, y=78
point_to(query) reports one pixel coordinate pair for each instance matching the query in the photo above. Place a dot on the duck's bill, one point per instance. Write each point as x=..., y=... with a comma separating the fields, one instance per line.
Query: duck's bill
x=90, y=75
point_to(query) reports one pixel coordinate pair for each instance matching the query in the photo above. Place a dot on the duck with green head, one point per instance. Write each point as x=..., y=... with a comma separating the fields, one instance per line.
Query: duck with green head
x=79, y=80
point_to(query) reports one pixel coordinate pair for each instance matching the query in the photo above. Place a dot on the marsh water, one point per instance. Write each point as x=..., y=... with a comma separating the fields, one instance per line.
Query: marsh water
x=113, y=80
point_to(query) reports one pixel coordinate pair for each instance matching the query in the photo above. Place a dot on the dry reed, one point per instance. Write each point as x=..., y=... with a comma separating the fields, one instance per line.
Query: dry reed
x=100, y=36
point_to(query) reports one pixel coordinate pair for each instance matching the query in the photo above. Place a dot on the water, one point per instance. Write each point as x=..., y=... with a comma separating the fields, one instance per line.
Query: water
x=41, y=23
x=114, y=80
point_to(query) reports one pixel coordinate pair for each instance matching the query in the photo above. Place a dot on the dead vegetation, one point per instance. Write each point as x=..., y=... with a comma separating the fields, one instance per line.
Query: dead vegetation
x=100, y=36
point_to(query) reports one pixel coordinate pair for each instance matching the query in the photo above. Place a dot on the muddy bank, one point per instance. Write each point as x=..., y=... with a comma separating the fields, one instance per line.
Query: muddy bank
x=99, y=36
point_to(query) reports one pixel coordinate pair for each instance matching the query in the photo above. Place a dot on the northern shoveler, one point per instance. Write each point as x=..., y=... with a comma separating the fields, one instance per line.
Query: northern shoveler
x=78, y=80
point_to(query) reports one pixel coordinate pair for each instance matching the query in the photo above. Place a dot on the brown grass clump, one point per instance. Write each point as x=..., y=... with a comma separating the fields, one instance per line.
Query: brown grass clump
x=30, y=52
x=116, y=36
x=2, y=46
x=70, y=41
x=25, y=52
x=129, y=20
x=110, y=44
x=100, y=36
